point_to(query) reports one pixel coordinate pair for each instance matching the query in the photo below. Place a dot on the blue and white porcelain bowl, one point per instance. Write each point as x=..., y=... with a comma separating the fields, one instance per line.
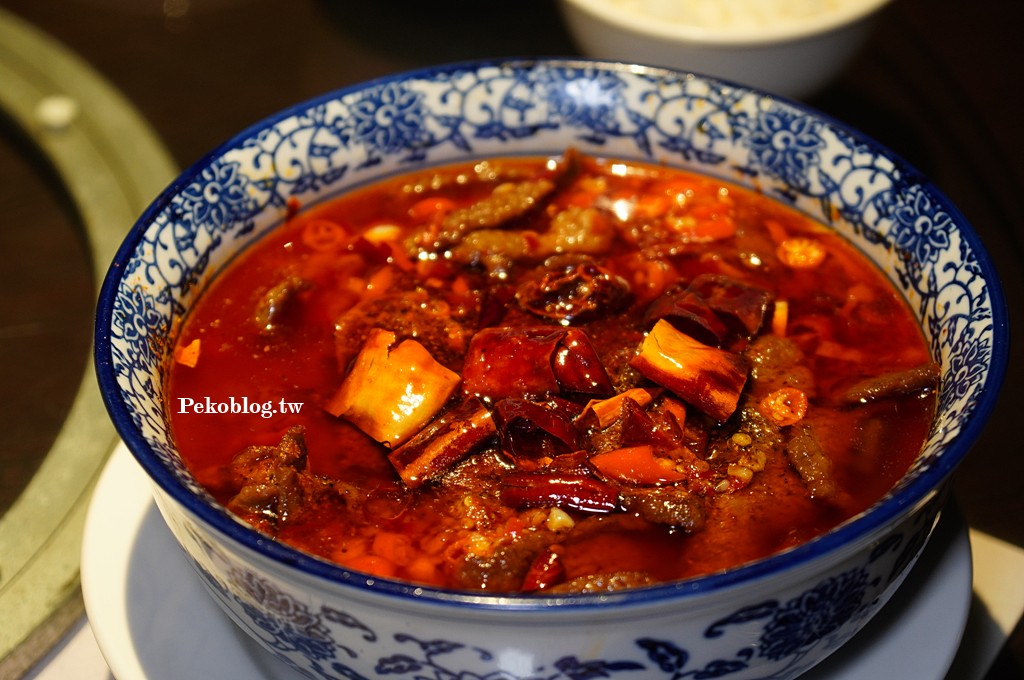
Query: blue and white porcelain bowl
x=773, y=618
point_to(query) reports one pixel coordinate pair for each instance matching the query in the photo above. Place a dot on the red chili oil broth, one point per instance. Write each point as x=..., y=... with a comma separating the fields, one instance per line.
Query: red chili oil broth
x=846, y=318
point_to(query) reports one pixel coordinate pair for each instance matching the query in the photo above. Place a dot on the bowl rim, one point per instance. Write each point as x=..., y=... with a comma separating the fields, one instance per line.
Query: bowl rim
x=854, y=531
x=728, y=36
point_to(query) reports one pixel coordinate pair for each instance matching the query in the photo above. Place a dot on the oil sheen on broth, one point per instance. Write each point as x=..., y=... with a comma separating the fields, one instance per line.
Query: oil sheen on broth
x=549, y=375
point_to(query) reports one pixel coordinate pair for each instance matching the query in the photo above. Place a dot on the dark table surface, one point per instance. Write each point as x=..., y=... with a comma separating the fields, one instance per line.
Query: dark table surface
x=939, y=84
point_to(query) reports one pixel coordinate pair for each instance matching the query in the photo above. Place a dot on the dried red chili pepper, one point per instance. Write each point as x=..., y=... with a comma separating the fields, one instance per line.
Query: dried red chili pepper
x=547, y=570
x=533, y=431
x=576, y=492
x=574, y=294
x=741, y=306
x=690, y=313
x=533, y=362
x=578, y=368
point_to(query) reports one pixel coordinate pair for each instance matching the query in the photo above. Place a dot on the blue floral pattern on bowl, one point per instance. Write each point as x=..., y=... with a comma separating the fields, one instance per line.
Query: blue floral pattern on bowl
x=314, y=151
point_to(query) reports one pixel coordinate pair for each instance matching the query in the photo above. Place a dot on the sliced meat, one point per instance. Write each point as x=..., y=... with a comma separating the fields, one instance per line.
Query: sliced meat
x=894, y=384
x=777, y=362
x=274, y=307
x=508, y=202
x=408, y=314
x=274, y=486
x=505, y=567
x=506, y=205
x=669, y=505
x=810, y=461
x=605, y=583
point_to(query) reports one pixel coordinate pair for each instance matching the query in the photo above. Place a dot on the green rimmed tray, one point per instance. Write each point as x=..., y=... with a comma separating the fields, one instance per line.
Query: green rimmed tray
x=111, y=165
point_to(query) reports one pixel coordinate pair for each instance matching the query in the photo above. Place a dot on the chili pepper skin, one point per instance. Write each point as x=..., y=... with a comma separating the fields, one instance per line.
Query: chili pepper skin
x=575, y=492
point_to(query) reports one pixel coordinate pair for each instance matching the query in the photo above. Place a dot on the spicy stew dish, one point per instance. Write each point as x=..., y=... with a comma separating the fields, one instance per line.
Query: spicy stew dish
x=549, y=375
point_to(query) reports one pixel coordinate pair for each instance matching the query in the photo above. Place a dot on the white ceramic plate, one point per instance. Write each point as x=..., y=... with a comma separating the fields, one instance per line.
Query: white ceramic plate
x=153, y=620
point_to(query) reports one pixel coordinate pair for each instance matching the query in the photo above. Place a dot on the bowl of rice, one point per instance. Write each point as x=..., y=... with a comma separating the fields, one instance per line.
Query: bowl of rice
x=793, y=48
